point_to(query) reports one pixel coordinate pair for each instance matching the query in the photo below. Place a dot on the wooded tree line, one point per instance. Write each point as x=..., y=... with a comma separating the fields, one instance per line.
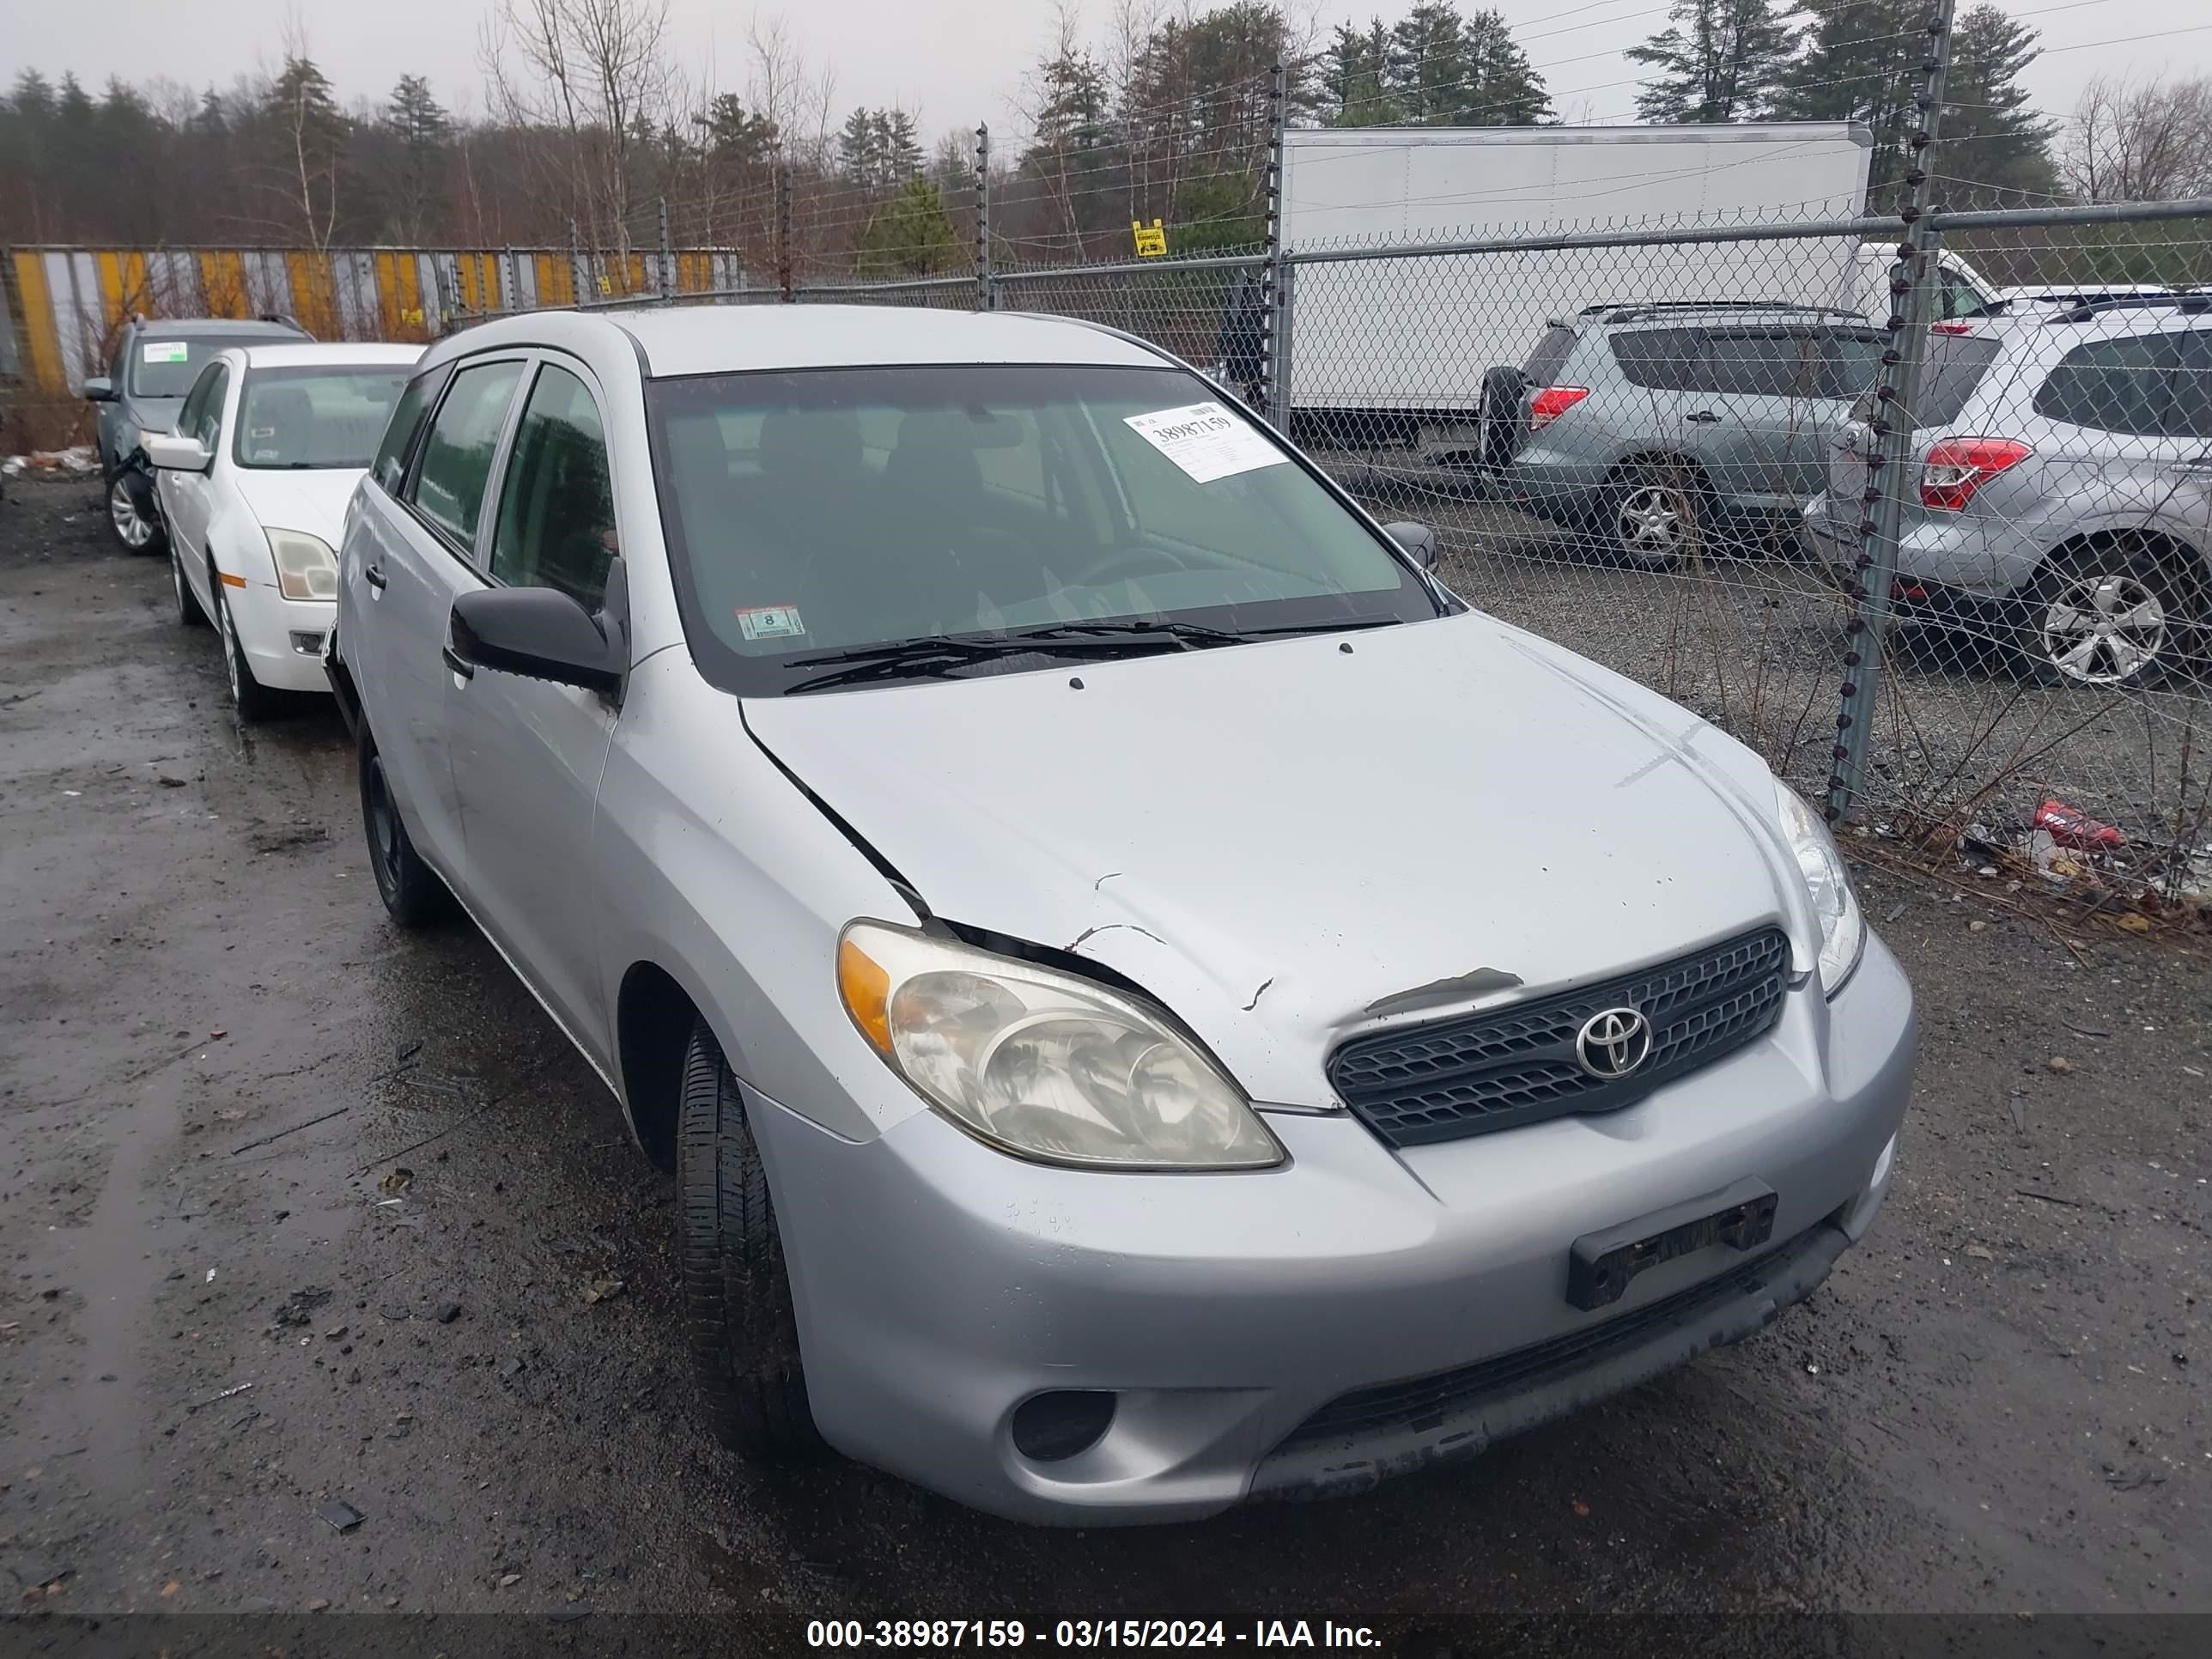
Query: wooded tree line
x=590, y=120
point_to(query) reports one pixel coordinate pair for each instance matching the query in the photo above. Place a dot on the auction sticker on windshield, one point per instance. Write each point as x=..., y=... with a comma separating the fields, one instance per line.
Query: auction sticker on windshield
x=165, y=351
x=1205, y=440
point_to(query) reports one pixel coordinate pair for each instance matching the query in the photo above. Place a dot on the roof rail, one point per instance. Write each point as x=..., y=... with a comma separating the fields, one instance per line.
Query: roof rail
x=1619, y=312
x=2091, y=308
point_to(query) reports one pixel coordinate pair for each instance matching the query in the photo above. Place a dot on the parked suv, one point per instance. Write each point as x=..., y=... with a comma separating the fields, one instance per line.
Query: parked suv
x=2060, y=493
x=952, y=775
x=1659, y=428
x=154, y=362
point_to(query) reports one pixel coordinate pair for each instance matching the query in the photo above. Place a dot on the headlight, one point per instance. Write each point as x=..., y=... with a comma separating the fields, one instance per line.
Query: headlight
x=1042, y=1064
x=305, y=566
x=1843, y=929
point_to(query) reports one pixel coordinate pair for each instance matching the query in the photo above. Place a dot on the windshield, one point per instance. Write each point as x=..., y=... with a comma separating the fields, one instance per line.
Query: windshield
x=319, y=416
x=166, y=369
x=831, y=510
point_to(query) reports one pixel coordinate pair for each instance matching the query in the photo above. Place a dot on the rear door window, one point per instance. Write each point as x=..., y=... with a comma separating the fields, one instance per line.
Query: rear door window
x=1764, y=363
x=1955, y=366
x=2114, y=386
x=456, y=454
x=1662, y=359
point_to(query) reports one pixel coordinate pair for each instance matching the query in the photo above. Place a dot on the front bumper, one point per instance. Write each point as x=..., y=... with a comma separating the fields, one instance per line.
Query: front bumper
x=939, y=1283
x=284, y=638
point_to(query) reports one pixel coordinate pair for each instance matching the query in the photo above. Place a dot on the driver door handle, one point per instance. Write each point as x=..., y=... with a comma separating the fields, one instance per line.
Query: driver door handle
x=1706, y=417
x=461, y=664
x=373, y=575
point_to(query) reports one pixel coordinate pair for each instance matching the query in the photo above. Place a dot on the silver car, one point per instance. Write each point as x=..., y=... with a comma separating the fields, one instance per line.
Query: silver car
x=2060, y=497
x=1149, y=999
x=1662, y=429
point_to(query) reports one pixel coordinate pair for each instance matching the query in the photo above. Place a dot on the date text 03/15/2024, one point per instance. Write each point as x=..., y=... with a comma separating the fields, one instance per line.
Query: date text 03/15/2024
x=1085, y=1633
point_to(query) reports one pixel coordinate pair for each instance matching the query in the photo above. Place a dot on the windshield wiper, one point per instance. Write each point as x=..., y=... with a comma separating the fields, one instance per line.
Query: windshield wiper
x=936, y=656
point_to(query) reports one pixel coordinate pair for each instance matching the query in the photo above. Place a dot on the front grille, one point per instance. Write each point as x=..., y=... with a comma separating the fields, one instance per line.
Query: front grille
x=1426, y=1402
x=1518, y=1064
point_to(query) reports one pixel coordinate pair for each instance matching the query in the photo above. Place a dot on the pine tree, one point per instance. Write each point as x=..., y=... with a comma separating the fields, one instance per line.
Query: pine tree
x=1860, y=61
x=311, y=142
x=1354, y=75
x=1443, y=69
x=1718, y=60
x=898, y=150
x=422, y=133
x=732, y=136
x=1992, y=140
x=857, y=153
x=910, y=234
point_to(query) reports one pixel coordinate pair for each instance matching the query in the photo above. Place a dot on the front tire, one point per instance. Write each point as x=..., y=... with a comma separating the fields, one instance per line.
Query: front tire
x=254, y=702
x=2114, y=616
x=132, y=519
x=738, y=1308
x=410, y=889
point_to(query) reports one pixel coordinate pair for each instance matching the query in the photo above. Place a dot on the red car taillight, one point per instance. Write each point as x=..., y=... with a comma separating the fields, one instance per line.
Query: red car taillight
x=1957, y=467
x=1553, y=401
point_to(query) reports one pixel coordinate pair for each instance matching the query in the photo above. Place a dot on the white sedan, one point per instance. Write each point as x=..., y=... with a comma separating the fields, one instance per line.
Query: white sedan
x=254, y=483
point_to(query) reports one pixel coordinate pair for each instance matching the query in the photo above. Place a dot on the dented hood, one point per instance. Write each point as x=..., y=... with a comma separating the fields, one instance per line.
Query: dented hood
x=1287, y=842
x=311, y=500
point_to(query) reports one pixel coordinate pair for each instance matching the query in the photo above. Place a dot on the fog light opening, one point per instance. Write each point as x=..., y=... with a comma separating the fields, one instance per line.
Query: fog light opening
x=307, y=645
x=1053, y=1427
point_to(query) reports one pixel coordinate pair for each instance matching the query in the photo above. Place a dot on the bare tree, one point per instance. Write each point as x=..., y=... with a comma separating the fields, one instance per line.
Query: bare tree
x=2140, y=142
x=593, y=80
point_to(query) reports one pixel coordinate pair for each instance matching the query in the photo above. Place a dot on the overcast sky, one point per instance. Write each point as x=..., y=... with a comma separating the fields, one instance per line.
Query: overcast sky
x=954, y=62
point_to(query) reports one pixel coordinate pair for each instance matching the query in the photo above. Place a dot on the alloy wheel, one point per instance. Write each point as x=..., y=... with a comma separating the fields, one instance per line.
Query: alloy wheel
x=1649, y=523
x=2105, y=628
x=132, y=525
x=230, y=651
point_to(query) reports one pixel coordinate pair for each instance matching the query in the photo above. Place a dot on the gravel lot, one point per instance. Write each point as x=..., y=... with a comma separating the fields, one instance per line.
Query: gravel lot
x=224, y=1306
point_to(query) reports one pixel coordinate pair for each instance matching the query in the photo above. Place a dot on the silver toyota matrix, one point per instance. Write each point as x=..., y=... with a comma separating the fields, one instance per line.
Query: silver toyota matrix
x=1149, y=1000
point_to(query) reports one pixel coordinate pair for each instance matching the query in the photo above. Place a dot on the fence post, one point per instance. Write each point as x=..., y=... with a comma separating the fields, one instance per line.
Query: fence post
x=510, y=298
x=667, y=256
x=783, y=229
x=987, y=289
x=1889, y=474
x=1275, y=282
x=580, y=277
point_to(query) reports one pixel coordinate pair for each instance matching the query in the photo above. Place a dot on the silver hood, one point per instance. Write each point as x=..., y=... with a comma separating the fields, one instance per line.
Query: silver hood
x=1287, y=842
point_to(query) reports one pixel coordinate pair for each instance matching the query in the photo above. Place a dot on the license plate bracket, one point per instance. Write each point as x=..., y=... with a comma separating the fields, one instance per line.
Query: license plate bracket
x=1599, y=1265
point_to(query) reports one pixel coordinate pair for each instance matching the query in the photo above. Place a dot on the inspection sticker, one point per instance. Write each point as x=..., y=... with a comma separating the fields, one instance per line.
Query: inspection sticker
x=1205, y=440
x=771, y=622
x=165, y=351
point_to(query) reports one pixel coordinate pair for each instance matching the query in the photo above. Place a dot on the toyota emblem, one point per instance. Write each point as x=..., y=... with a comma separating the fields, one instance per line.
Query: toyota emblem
x=1614, y=1043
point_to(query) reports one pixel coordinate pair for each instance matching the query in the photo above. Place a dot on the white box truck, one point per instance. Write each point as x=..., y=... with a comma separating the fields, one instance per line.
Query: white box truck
x=1389, y=350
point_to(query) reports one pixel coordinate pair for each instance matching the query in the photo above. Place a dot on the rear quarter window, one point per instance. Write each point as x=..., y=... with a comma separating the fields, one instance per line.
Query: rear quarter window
x=2113, y=385
x=1550, y=356
x=1949, y=374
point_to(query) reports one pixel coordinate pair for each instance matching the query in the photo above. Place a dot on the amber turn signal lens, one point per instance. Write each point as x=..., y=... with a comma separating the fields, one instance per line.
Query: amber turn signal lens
x=866, y=989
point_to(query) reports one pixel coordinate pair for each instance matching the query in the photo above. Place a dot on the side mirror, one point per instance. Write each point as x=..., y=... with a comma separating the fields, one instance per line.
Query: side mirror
x=1419, y=541
x=539, y=633
x=100, y=389
x=175, y=453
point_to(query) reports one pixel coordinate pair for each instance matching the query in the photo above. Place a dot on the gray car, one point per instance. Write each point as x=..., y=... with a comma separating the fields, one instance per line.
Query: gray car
x=1663, y=430
x=153, y=366
x=956, y=778
x=2060, y=496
